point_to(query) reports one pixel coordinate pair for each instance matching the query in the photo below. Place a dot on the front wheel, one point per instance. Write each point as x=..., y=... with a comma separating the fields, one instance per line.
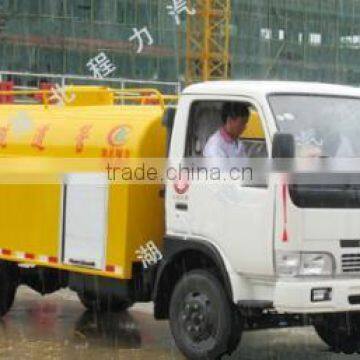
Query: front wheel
x=341, y=332
x=202, y=319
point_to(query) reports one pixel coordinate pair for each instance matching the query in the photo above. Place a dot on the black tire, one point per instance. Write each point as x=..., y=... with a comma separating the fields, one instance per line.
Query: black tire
x=43, y=280
x=103, y=303
x=8, y=286
x=203, y=321
x=341, y=332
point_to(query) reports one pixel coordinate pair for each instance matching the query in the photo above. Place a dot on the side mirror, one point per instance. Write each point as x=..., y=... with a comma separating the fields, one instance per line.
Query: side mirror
x=283, y=146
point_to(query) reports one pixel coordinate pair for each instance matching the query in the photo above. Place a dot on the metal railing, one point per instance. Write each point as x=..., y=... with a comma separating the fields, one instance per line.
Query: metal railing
x=25, y=80
x=142, y=96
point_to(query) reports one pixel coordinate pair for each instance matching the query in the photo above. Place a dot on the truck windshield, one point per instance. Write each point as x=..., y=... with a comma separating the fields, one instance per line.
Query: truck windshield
x=325, y=126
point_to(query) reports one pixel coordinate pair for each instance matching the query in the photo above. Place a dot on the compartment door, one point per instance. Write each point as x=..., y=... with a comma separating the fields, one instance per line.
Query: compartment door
x=85, y=219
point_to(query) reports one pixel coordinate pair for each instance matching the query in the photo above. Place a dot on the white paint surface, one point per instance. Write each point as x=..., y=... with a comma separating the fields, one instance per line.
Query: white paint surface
x=86, y=219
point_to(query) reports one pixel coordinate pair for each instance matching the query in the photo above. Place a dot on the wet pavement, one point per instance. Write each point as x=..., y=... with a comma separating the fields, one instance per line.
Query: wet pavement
x=57, y=327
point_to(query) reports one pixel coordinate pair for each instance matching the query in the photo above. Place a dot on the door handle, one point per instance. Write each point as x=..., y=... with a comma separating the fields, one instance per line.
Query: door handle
x=181, y=206
x=82, y=262
x=162, y=193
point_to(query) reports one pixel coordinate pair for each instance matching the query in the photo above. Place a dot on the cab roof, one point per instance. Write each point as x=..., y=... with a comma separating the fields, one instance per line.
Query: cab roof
x=264, y=88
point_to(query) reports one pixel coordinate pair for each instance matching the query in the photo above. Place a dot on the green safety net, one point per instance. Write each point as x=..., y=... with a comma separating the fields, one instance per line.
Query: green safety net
x=315, y=40
x=312, y=40
x=60, y=36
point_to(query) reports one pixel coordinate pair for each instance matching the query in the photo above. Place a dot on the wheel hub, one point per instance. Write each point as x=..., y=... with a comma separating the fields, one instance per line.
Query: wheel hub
x=196, y=318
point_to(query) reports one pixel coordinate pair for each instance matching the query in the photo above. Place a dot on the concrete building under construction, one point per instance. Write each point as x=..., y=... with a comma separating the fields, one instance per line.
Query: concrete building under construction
x=273, y=39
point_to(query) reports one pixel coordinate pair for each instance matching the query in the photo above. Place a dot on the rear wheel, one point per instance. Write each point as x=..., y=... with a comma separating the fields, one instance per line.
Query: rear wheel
x=103, y=303
x=203, y=321
x=341, y=332
x=8, y=286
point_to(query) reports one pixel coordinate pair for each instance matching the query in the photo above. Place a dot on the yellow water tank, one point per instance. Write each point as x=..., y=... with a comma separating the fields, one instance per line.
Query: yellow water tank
x=39, y=144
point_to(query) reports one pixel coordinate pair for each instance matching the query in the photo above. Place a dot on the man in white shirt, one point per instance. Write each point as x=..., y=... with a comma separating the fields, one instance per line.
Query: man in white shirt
x=225, y=143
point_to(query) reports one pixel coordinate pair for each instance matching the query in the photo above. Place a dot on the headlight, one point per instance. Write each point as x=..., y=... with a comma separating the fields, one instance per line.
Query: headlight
x=316, y=265
x=293, y=264
x=287, y=263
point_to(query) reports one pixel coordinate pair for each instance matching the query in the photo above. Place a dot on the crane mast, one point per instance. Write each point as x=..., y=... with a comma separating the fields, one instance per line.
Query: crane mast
x=208, y=40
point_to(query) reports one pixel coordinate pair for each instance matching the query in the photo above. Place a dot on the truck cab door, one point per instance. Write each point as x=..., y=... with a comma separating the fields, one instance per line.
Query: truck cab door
x=233, y=216
x=176, y=202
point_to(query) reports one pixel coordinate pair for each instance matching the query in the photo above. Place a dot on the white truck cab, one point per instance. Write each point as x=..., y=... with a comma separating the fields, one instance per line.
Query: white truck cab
x=234, y=250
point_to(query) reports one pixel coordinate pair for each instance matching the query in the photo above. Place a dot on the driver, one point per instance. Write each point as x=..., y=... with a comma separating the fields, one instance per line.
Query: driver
x=225, y=143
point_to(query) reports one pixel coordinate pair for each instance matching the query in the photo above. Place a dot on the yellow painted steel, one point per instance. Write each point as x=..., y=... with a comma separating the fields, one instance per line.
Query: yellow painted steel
x=29, y=218
x=85, y=95
x=254, y=129
x=208, y=40
x=37, y=142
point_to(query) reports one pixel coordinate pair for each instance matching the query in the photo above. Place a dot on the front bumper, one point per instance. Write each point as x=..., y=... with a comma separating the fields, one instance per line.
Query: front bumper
x=294, y=295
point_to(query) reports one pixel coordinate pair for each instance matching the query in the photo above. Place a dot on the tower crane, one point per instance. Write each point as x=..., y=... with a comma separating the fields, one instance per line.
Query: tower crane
x=207, y=48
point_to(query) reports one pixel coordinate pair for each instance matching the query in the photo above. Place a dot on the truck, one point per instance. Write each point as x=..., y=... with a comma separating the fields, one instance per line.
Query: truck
x=210, y=255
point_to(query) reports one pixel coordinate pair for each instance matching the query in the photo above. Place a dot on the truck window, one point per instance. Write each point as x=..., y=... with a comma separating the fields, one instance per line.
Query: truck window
x=206, y=119
x=322, y=125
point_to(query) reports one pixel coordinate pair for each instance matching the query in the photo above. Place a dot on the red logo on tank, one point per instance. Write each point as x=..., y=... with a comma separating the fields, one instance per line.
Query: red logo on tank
x=118, y=136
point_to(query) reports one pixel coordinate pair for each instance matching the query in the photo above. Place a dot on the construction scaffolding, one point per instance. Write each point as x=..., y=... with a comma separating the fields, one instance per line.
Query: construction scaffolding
x=312, y=40
x=60, y=36
x=316, y=40
x=207, y=40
